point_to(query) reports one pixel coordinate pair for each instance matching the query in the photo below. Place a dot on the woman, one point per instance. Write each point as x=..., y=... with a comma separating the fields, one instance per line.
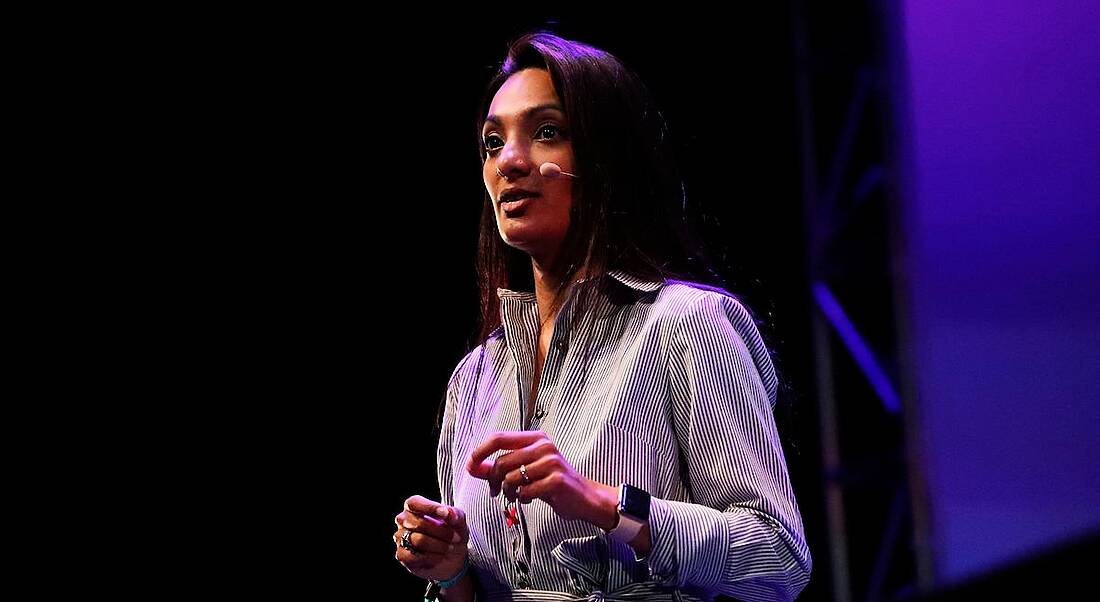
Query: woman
x=612, y=437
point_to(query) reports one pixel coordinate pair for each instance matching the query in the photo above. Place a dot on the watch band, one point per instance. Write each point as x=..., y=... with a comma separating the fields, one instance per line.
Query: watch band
x=627, y=529
x=633, y=511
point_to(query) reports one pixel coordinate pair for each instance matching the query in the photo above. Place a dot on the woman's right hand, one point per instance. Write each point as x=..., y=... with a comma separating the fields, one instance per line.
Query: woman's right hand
x=437, y=537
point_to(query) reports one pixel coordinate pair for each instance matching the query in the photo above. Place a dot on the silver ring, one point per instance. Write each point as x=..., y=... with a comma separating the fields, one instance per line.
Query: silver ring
x=405, y=543
x=523, y=473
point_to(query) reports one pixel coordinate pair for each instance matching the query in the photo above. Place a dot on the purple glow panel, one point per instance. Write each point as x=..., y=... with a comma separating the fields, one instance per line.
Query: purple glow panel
x=1003, y=227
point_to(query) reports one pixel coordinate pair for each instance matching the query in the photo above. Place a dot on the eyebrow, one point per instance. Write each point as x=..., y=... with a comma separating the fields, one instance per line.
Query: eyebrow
x=529, y=112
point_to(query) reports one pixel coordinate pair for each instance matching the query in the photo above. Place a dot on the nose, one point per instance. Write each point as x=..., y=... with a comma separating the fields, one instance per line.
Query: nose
x=514, y=161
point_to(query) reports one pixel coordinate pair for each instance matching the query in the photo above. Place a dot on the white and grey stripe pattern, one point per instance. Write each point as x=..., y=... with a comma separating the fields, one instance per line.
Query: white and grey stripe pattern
x=664, y=385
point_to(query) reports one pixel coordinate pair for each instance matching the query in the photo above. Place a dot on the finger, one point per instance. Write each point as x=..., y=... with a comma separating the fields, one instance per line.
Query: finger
x=426, y=544
x=423, y=544
x=431, y=526
x=406, y=516
x=457, y=521
x=416, y=560
x=479, y=467
x=453, y=516
x=412, y=520
x=513, y=461
x=514, y=480
x=423, y=506
x=544, y=489
x=545, y=475
x=511, y=492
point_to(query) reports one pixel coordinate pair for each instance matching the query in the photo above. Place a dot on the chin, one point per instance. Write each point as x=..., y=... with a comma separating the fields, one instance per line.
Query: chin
x=520, y=244
x=528, y=234
x=522, y=239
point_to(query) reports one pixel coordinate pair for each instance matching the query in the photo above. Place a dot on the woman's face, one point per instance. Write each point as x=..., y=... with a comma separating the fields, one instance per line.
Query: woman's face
x=525, y=128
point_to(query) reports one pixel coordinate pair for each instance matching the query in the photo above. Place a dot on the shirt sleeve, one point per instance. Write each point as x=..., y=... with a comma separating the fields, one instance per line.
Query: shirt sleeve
x=742, y=535
x=445, y=448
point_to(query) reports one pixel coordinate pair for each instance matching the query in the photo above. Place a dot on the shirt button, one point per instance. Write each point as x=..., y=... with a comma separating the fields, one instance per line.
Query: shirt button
x=561, y=344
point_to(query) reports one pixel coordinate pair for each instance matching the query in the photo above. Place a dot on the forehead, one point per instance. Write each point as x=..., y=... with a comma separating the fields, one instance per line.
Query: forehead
x=528, y=88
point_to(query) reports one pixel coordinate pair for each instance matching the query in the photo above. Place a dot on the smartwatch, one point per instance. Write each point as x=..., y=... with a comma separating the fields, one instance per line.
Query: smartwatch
x=633, y=510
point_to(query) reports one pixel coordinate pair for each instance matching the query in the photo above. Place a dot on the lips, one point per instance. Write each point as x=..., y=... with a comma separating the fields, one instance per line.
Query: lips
x=516, y=194
x=514, y=201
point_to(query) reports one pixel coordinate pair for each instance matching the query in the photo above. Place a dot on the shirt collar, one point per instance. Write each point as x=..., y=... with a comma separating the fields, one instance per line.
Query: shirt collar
x=638, y=284
x=632, y=282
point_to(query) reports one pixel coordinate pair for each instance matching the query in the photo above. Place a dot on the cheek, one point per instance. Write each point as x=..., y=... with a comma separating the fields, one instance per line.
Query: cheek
x=487, y=174
x=563, y=206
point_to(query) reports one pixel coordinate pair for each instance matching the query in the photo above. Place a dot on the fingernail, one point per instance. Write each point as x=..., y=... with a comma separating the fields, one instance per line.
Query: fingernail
x=456, y=538
x=451, y=548
x=442, y=512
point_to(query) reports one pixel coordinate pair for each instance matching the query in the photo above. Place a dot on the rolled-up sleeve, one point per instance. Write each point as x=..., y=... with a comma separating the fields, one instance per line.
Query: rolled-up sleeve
x=741, y=535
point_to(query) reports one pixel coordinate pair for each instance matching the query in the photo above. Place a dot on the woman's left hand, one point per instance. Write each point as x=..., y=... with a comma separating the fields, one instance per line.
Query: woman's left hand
x=549, y=477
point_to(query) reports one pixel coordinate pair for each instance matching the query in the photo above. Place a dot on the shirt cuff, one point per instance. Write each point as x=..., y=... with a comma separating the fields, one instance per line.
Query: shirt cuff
x=690, y=544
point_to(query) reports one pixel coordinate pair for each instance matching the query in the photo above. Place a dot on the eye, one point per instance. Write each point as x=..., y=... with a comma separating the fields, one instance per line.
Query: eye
x=548, y=132
x=492, y=143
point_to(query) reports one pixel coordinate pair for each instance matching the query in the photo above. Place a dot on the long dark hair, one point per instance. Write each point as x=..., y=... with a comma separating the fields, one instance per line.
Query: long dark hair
x=629, y=203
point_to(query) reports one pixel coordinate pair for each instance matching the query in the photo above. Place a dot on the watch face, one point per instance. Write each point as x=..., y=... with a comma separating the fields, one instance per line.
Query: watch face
x=634, y=502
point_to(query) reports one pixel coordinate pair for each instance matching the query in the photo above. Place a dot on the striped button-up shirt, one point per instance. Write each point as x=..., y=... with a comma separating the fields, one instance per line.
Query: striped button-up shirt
x=666, y=386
